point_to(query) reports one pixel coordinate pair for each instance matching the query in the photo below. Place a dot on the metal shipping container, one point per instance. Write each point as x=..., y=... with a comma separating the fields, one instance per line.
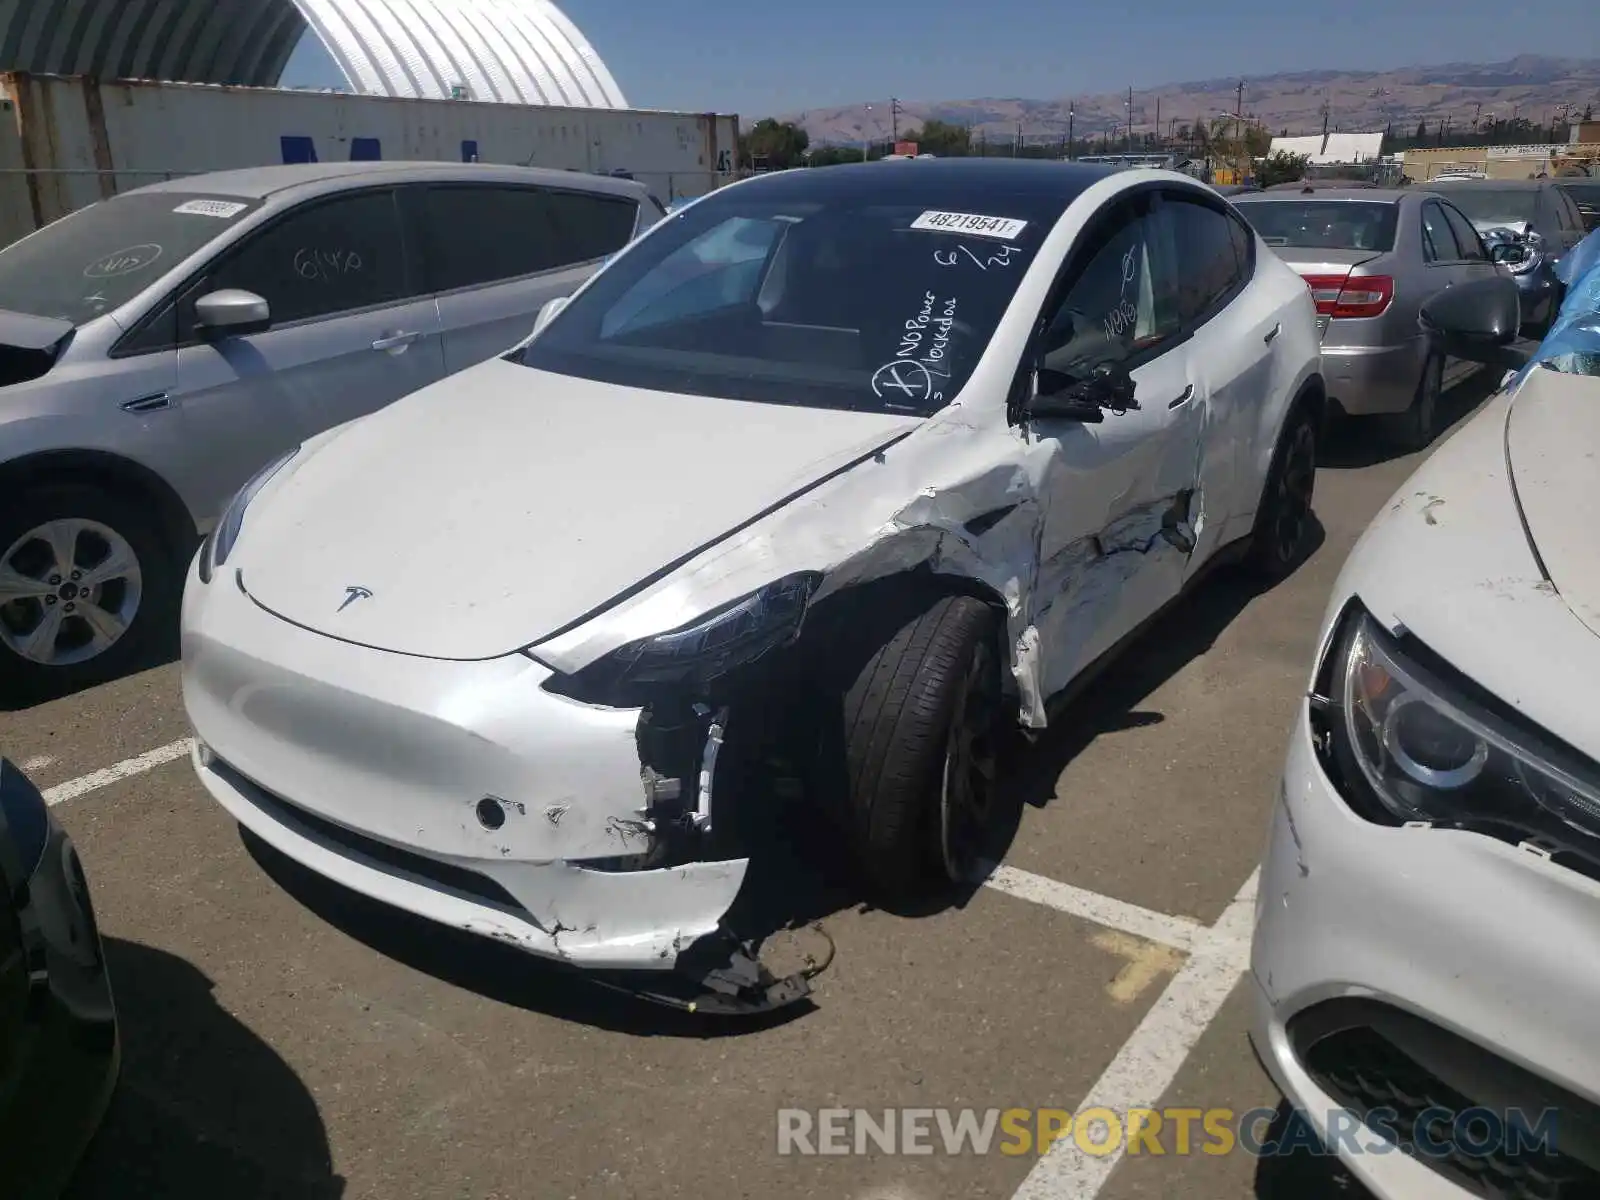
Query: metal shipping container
x=67, y=142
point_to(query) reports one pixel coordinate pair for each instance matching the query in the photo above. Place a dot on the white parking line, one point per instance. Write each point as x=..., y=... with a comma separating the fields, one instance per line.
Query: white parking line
x=1179, y=932
x=96, y=780
x=1150, y=1060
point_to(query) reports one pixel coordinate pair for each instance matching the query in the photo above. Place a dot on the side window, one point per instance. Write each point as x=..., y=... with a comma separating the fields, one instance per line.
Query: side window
x=1438, y=243
x=328, y=257
x=590, y=226
x=1570, y=217
x=1121, y=302
x=1467, y=239
x=472, y=235
x=1208, y=265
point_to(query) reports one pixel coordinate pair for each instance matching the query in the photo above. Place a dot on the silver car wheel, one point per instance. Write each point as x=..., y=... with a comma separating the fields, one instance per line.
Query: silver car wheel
x=69, y=590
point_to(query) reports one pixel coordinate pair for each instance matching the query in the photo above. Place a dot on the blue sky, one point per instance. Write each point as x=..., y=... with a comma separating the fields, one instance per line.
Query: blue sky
x=759, y=58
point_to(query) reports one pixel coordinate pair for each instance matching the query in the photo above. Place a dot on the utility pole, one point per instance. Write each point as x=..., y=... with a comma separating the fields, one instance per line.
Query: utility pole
x=1238, y=115
x=1071, y=146
x=1128, y=137
x=1158, y=118
x=894, y=117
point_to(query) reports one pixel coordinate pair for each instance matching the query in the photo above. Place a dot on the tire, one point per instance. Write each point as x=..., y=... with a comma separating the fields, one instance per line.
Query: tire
x=1416, y=428
x=106, y=531
x=1283, y=520
x=920, y=725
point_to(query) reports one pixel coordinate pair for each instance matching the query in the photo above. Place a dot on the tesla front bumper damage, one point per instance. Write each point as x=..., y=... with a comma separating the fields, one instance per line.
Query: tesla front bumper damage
x=468, y=794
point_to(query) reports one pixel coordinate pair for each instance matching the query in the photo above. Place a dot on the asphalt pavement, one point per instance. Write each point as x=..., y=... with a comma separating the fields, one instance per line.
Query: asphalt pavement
x=283, y=1038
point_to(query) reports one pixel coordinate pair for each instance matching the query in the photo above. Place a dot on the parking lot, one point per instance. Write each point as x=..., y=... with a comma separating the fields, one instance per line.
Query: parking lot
x=284, y=1038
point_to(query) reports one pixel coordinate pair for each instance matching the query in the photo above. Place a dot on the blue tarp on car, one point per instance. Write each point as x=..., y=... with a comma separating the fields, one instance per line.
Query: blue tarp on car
x=1573, y=343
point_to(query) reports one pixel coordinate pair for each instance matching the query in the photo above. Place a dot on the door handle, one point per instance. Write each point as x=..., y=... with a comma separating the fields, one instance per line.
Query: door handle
x=393, y=341
x=1183, y=399
x=1273, y=332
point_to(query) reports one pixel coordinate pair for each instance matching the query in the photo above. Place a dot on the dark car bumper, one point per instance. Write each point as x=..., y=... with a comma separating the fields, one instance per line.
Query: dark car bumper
x=58, y=1078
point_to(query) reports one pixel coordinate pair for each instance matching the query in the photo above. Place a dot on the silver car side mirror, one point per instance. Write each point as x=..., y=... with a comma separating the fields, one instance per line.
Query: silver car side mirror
x=548, y=312
x=231, y=312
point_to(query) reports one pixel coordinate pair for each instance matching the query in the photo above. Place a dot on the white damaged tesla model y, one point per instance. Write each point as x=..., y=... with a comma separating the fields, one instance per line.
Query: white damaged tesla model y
x=827, y=480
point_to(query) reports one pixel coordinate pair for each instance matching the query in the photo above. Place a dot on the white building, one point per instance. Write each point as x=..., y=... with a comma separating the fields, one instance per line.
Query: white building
x=526, y=52
x=1328, y=149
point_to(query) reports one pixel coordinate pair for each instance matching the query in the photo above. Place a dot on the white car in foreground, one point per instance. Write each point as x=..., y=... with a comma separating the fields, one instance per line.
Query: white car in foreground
x=812, y=482
x=1427, y=946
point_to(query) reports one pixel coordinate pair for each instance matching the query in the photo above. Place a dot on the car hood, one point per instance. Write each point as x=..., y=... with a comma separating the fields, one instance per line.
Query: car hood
x=492, y=509
x=1449, y=560
x=1553, y=446
x=1517, y=229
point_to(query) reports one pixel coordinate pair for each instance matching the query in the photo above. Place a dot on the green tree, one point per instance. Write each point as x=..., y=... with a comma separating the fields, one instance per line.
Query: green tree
x=782, y=144
x=1281, y=167
x=941, y=138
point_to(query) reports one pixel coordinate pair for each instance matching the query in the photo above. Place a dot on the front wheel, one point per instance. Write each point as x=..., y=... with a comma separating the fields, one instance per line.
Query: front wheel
x=1283, y=522
x=921, y=736
x=1416, y=428
x=83, y=579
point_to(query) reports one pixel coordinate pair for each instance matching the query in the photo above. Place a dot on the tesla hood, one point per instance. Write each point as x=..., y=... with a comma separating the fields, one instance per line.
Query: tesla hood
x=492, y=509
x=1553, y=446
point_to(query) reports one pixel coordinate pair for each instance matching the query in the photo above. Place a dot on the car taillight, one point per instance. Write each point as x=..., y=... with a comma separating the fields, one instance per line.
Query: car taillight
x=1344, y=296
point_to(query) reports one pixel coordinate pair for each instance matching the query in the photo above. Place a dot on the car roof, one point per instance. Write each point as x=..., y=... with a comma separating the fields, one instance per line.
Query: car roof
x=261, y=183
x=1499, y=185
x=1040, y=177
x=1372, y=195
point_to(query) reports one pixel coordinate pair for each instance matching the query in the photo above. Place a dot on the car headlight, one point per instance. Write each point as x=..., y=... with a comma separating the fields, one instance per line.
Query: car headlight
x=27, y=820
x=1426, y=747
x=711, y=646
x=220, y=542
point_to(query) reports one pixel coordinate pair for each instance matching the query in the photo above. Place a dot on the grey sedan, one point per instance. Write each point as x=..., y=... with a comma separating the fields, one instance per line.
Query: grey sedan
x=1537, y=215
x=159, y=347
x=1371, y=257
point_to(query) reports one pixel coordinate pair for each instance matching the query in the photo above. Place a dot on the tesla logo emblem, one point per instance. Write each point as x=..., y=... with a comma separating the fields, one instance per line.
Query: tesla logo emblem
x=352, y=594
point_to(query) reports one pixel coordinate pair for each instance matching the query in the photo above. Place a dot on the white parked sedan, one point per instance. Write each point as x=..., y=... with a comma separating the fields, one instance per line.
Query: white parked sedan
x=814, y=480
x=1427, y=947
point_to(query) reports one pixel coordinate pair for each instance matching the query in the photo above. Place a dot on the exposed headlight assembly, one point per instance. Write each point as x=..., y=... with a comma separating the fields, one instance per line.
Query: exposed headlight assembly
x=711, y=646
x=220, y=541
x=1415, y=745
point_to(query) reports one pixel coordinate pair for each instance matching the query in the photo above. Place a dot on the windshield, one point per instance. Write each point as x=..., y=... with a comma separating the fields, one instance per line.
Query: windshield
x=1583, y=192
x=100, y=257
x=1323, y=224
x=809, y=294
x=1483, y=205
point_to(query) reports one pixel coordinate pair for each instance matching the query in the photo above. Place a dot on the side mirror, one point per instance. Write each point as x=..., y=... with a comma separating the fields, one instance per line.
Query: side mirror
x=1510, y=253
x=1477, y=321
x=548, y=312
x=231, y=312
x=1064, y=397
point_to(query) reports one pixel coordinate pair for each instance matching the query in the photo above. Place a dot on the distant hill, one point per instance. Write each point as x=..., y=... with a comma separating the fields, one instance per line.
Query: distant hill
x=1532, y=87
